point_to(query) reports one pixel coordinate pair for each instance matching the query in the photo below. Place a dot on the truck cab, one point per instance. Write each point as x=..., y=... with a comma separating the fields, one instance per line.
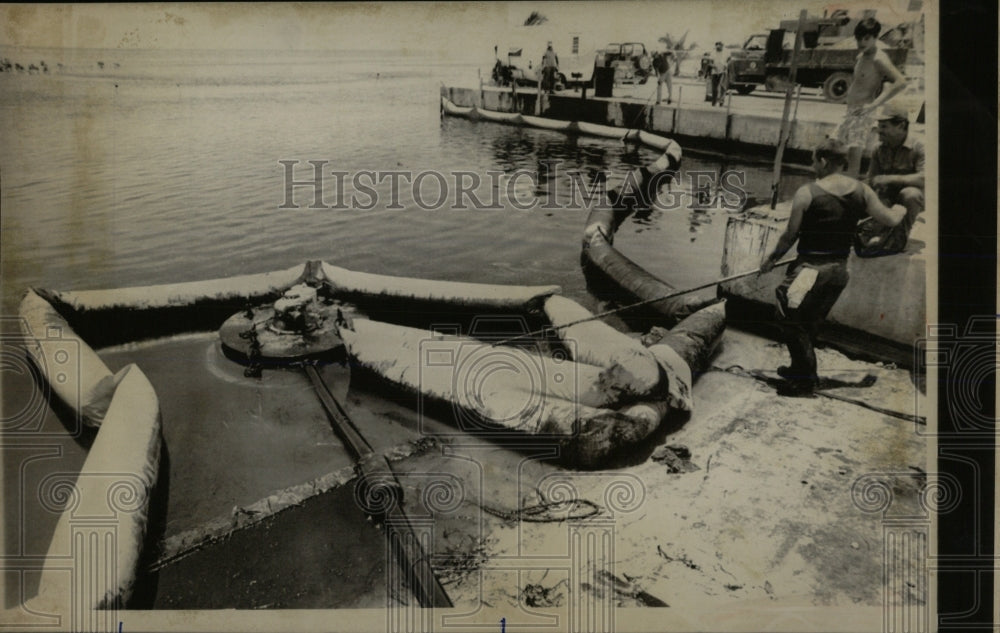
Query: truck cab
x=825, y=61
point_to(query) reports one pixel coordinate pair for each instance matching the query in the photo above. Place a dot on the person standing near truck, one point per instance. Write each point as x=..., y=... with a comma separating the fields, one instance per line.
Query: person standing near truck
x=720, y=59
x=872, y=69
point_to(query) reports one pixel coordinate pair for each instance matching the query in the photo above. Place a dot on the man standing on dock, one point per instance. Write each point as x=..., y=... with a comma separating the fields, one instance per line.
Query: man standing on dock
x=823, y=219
x=896, y=173
x=550, y=69
x=720, y=59
x=872, y=68
x=661, y=64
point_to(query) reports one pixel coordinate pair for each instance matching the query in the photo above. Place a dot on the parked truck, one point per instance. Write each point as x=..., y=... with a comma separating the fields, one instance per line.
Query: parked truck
x=826, y=59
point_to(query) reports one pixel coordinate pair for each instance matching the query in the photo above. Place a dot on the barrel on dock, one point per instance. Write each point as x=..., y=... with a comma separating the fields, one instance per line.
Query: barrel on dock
x=604, y=81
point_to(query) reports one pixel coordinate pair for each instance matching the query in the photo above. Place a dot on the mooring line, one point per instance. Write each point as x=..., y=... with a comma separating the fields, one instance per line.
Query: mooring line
x=737, y=370
x=670, y=295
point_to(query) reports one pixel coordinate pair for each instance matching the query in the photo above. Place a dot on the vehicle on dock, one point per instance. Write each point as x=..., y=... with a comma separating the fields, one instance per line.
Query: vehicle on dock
x=632, y=62
x=512, y=73
x=826, y=60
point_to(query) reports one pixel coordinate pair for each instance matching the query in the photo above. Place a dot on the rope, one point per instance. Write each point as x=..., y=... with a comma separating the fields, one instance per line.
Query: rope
x=641, y=112
x=738, y=370
x=601, y=315
x=540, y=513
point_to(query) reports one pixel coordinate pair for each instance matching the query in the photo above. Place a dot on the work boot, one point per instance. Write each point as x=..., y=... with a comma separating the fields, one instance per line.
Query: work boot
x=790, y=373
x=798, y=388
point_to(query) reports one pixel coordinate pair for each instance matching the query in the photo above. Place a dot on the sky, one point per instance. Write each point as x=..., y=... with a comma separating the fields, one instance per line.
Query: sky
x=444, y=29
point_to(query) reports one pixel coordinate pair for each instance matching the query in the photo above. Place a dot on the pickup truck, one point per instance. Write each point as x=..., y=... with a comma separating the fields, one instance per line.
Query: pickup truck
x=766, y=58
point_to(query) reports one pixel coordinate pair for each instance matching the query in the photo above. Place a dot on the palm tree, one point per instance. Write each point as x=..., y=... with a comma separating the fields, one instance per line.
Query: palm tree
x=535, y=19
x=680, y=52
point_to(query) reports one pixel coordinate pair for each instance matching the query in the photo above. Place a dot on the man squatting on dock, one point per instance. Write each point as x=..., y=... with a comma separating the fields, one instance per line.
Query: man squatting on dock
x=823, y=220
x=896, y=173
x=872, y=69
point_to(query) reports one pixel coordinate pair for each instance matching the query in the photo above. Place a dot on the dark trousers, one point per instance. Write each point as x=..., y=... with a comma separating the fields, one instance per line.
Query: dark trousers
x=716, y=85
x=803, y=306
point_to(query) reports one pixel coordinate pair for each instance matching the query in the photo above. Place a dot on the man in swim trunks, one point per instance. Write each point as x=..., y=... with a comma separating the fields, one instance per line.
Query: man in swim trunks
x=823, y=219
x=872, y=68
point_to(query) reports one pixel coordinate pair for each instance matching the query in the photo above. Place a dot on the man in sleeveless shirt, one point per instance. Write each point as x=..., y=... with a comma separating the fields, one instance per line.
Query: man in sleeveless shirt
x=823, y=220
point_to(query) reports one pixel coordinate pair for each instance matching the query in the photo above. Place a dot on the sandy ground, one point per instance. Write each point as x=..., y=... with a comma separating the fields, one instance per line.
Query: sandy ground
x=768, y=499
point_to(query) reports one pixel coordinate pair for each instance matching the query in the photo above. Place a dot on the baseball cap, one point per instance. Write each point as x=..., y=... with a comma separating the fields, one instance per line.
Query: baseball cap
x=892, y=111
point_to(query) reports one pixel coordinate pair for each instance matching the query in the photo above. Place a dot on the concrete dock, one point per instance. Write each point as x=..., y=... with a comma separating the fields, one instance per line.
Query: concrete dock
x=747, y=124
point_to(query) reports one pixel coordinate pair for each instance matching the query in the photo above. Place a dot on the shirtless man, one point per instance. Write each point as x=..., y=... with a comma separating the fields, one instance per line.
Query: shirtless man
x=872, y=69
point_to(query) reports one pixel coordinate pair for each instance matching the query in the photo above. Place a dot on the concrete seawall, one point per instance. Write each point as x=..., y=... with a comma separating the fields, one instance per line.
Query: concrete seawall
x=695, y=127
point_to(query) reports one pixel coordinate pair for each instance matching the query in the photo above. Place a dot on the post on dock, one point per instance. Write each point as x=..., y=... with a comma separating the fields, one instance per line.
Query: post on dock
x=785, y=124
x=677, y=110
x=538, y=100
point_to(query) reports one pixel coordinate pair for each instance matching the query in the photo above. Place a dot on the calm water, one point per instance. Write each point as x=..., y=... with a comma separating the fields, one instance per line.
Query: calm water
x=163, y=167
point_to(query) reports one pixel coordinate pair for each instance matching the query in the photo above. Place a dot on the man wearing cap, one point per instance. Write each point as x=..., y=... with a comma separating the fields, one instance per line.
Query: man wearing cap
x=896, y=173
x=719, y=59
